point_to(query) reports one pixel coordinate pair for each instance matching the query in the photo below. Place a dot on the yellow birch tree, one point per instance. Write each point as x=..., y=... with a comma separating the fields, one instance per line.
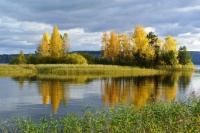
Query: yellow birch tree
x=56, y=44
x=113, y=45
x=170, y=43
x=105, y=44
x=140, y=39
x=43, y=48
x=125, y=46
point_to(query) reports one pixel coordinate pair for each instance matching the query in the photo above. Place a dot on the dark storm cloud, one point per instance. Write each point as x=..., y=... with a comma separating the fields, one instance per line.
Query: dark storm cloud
x=26, y=20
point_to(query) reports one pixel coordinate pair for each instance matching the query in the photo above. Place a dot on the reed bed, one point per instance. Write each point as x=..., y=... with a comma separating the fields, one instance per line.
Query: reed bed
x=64, y=70
x=176, y=67
x=9, y=70
x=60, y=69
x=93, y=70
x=153, y=118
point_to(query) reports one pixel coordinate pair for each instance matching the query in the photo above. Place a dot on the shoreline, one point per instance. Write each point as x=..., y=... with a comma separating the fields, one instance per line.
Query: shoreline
x=94, y=70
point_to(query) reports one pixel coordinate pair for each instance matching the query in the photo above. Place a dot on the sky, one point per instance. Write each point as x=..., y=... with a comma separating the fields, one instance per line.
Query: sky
x=23, y=22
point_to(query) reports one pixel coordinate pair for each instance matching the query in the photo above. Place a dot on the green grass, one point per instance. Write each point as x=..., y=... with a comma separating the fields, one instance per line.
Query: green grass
x=9, y=70
x=153, y=118
x=176, y=67
x=94, y=70
x=60, y=69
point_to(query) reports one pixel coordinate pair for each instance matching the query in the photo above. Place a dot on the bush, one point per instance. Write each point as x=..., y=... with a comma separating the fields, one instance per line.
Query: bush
x=105, y=61
x=14, y=60
x=66, y=59
x=90, y=58
x=75, y=58
x=32, y=59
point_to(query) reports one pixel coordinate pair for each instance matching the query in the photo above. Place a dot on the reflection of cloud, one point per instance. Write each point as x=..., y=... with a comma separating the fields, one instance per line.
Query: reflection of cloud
x=194, y=87
x=82, y=91
x=11, y=103
x=12, y=96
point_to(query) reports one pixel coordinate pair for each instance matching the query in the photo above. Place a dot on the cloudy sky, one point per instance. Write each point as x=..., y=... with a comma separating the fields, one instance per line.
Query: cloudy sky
x=23, y=22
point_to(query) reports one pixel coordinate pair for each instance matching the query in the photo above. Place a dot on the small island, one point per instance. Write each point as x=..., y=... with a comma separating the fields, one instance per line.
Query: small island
x=135, y=53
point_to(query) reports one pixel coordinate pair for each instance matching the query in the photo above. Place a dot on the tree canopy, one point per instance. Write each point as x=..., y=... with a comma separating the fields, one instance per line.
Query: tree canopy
x=142, y=49
x=184, y=56
x=56, y=46
x=136, y=49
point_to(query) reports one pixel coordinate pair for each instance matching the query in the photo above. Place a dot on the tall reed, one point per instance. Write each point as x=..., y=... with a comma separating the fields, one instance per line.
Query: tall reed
x=153, y=118
x=176, y=67
x=67, y=69
x=60, y=69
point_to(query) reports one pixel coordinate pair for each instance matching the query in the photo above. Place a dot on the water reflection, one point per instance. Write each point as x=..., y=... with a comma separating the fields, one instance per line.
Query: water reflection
x=53, y=92
x=137, y=90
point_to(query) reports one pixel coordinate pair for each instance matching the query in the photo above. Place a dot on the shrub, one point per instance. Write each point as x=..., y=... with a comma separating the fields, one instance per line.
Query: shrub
x=14, y=60
x=75, y=58
x=90, y=58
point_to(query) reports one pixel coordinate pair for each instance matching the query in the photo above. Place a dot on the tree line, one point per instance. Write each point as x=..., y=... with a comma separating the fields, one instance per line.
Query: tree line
x=136, y=49
x=142, y=49
x=51, y=50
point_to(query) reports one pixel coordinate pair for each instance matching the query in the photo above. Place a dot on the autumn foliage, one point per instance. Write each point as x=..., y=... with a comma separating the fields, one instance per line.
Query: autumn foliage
x=139, y=49
x=136, y=49
x=51, y=50
x=54, y=46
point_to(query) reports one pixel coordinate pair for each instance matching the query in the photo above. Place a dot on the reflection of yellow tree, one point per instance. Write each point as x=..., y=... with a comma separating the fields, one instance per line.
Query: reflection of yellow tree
x=56, y=95
x=111, y=93
x=128, y=90
x=45, y=90
x=170, y=93
x=170, y=86
x=54, y=91
x=125, y=93
x=141, y=93
x=114, y=91
x=139, y=90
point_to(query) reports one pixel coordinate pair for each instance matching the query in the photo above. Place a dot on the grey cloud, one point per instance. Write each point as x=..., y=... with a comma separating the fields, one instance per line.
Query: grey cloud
x=86, y=46
x=13, y=47
x=166, y=16
x=86, y=14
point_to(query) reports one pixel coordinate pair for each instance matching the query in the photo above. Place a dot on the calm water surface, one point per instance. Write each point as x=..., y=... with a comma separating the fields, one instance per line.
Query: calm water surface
x=37, y=96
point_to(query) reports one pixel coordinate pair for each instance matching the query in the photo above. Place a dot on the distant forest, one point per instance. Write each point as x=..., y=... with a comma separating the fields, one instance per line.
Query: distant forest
x=5, y=58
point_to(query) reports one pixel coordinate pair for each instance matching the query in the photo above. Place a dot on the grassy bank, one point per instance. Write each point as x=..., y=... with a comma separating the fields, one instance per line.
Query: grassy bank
x=60, y=69
x=93, y=70
x=157, y=117
x=176, y=67
x=7, y=70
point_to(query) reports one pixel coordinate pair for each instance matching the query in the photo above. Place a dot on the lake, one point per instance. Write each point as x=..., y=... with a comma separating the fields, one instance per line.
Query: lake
x=44, y=95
